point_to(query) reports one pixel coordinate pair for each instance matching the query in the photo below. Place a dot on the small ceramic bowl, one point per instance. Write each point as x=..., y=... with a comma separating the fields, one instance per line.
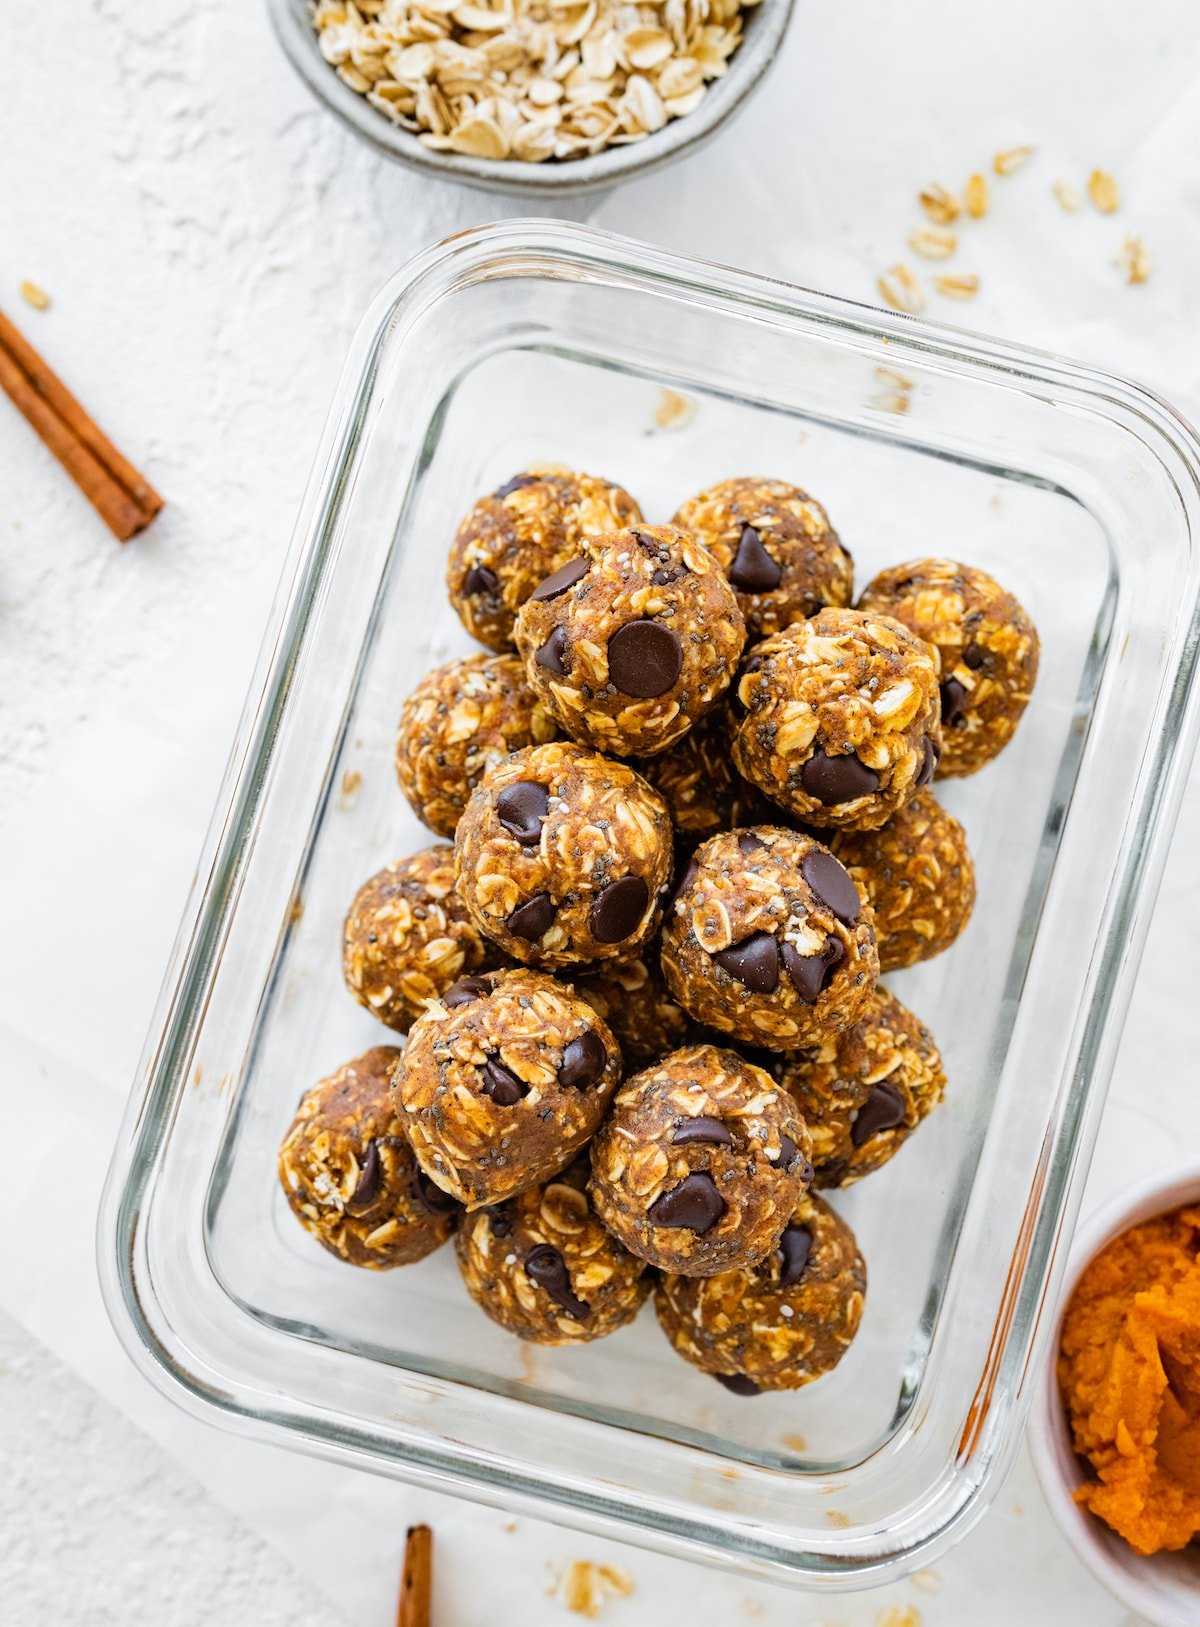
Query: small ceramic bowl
x=1163, y=1588
x=765, y=25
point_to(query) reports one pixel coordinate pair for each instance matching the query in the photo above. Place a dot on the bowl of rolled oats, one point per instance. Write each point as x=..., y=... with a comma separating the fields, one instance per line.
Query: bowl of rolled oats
x=532, y=96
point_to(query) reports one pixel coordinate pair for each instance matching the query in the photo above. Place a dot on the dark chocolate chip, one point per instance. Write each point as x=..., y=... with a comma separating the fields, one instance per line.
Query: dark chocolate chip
x=795, y=1246
x=882, y=1110
x=753, y=570
x=694, y=1205
x=464, y=991
x=811, y=973
x=552, y=651
x=480, y=580
x=974, y=657
x=560, y=580
x=930, y=752
x=546, y=1268
x=749, y=843
x=430, y=1197
x=702, y=1129
x=644, y=659
x=505, y=1089
x=953, y=696
x=515, y=484
x=672, y=574
x=754, y=962
x=788, y=1152
x=689, y=875
x=618, y=910
x=584, y=1060
x=837, y=779
x=521, y=809
x=532, y=919
x=738, y=1383
x=370, y=1179
x=500, y=1219
x=832, y=883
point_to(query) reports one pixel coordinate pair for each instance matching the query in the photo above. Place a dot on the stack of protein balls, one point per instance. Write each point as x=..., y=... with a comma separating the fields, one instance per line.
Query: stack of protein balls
x=613, y=1082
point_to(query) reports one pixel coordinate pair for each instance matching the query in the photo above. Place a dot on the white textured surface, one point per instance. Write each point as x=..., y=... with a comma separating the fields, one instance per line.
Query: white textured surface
x=209, y=239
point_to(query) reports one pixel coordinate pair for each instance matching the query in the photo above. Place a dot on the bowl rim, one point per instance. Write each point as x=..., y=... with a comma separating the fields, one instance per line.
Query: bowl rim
x=1158, y=1194
x=768, y=23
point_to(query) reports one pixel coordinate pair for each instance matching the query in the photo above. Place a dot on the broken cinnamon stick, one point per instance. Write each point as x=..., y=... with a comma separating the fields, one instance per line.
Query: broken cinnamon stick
x=124, y=499
x=417, y=1578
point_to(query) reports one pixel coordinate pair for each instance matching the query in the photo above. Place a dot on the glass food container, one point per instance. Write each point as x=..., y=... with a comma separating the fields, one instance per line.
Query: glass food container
x=537, y=341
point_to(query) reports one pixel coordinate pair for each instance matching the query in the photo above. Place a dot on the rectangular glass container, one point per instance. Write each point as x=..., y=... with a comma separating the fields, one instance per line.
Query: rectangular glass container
x=537, y=341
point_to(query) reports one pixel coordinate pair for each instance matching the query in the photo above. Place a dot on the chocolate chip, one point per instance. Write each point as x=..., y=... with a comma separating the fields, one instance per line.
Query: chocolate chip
x=662, y=577
x=689, y=875
x=702, y=1129
x=584, y=1060
x=930, y=752
x=618, y=910
x=953, y=696
x=370, y=1179
x=738, y=1383
x=546, y=1268
x=788, y=1152
x=810, y=973
x=464, y=991
x=429, y=1195
x=515, y=484
x=644, y=659
x=480, y=580
x=504, y=1088
x=560, y=580
x=749, y=843
x=753, y=570
x=837, y=779
x=532, y=919
x=832, y=883
x=795, y=1246
x=552, y=651
x=974, y=657
x=754, y=962
x=521, y=809
x=500, y=1219
x=694, y=1205
x=882, y=1110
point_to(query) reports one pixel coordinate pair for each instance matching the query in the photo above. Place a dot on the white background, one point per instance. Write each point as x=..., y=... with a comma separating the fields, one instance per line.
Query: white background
x=209, y=238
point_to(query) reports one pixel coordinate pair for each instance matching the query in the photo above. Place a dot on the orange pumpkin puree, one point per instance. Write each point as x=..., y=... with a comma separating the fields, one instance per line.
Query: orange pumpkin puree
x=1129, y=1370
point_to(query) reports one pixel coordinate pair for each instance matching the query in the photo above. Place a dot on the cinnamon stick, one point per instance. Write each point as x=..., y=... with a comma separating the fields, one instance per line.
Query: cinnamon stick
x=124, y=499
x=417, y=1578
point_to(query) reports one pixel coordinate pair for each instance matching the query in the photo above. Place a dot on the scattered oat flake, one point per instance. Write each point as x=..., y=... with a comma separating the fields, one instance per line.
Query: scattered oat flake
x=585, y=1588
x=1135, y=260
x=1068, y=196
x=927, y=1581
x=297, y=909
x=351, y=785
x=838, y=1520
x=35, y=296
x=960, y=285
x=975, y=196
x=932, y=242
x=1012, y=159
x=899, y=1615
x=1103, y=191
x=797, y=1443
x=941, y=206
x=673, y=410
x=901, y=290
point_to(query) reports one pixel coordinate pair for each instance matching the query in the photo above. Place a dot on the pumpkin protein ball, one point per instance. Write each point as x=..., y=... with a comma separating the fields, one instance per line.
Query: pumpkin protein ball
x=350, y=1176
x=839, y=719
x=633, y=998
x=768, y=939
x=460, y=721
x=700, y=786
x=917, y=875
x=564, y=856
x=543, y=1267
x=987, y=645
x=775, y=544
x=632, y=641
x=517, y=535
x=502, y=1082
x=781, y=1323
x=408, y=935
x=864, y=1091
x=700, y=1162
